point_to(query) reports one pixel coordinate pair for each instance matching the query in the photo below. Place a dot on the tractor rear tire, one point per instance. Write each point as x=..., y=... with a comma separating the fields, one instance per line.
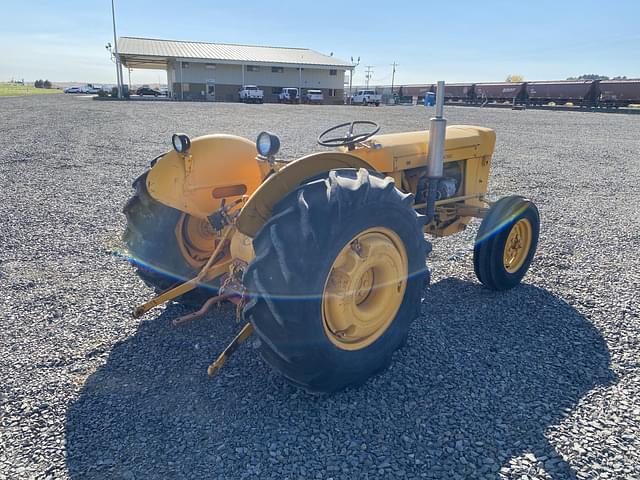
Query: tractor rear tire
x=297, y=250
x=506, y=242
x=152, y=246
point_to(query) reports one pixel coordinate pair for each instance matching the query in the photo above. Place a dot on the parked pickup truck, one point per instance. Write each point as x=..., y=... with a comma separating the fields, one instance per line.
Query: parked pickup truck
x=251, y=94
x=288, y=95
x=366, y=97
x=314, y=96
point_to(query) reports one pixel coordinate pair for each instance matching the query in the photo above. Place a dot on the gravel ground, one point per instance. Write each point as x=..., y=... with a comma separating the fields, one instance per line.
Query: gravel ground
x=539, y=382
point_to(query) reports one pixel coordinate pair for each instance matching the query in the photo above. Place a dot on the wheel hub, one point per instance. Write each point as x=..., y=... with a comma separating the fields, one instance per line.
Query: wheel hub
x=364, y=289
x=196, y=239
x=517, y=245
x=364, y=286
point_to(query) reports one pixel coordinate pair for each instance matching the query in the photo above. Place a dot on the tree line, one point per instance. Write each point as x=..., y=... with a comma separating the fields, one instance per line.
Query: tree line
x=595, y=76
x=587, y=76
x=42, y=84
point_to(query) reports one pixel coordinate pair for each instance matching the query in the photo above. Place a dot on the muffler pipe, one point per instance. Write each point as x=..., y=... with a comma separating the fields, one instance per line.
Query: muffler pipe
x=435, y=154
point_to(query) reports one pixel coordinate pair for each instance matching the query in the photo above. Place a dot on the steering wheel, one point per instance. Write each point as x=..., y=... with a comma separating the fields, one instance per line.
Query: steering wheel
x=349, y=139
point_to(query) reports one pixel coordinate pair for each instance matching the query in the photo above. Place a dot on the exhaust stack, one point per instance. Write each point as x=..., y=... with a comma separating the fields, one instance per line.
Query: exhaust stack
x=437, y=129
x=435, y=154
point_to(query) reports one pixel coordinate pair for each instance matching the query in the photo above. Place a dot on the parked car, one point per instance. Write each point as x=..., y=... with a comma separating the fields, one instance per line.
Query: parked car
x=314, y=96
x=288, y=95
x=146, y=90
x=72, y=90
x=251, y=94
x=93, y=89
x=366, y=97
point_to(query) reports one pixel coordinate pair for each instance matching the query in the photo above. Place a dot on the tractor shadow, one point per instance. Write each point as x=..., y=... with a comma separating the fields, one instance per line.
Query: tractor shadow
x=483, y=376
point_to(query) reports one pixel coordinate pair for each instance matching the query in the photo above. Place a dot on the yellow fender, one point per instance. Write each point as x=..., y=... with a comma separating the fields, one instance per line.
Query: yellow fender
x=258, y=208
x=216, y=167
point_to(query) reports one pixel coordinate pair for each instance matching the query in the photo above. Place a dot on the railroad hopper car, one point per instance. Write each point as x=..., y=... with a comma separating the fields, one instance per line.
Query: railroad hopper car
x=459, y=92
x=582, y=93
x=513, y=92
x=418, y=91
x=618, y=93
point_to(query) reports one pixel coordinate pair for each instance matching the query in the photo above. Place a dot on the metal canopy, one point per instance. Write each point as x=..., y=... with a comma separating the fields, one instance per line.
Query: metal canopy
x=156, y=54
x=137, y=61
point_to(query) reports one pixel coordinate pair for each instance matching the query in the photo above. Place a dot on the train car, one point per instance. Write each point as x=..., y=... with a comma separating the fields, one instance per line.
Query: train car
x=582, y=93
x=417, y=91
x=514, y=92
x=453, y=92
x=618, y=93
x=459, y=92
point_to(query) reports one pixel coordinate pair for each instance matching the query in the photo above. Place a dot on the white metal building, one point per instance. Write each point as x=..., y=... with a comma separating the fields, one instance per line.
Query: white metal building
x=216, y=71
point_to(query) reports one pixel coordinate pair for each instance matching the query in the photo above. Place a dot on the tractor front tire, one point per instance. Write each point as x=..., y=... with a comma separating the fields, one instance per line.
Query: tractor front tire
x=506, y=242
x=337, y=279
x=152, y=246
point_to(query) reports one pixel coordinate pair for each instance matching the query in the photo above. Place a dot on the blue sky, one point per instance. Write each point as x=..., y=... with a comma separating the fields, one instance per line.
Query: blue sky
x=454, y=41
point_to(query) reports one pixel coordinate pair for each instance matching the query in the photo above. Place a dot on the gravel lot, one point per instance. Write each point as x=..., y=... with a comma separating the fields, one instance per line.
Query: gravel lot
x=539, y=382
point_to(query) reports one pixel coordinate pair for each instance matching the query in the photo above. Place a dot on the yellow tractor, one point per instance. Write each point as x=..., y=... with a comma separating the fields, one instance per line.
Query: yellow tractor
x=325, y=255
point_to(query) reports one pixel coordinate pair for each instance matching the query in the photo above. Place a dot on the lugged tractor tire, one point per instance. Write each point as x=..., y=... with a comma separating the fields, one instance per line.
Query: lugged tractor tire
x=152, y=246
x=295, y=253
x=508, y=217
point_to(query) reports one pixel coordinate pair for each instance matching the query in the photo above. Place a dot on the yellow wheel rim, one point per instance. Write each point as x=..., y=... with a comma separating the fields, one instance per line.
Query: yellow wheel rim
x=196, y=238
x=518, y=244
x=364, y=289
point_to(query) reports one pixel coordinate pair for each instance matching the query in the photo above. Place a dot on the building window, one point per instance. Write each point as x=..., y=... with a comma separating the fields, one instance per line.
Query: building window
x=253, y=68
x=185, y=64
x=276, y=90
x=277, y=69
x=211, y=66
x=333, y=72
x=332, y=92
x=185, y=87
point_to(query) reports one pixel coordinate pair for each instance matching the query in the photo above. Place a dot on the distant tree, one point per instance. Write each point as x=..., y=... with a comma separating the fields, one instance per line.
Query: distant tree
x=46, y=84
x=515, y=78
x=620, y=78
x=38, y=84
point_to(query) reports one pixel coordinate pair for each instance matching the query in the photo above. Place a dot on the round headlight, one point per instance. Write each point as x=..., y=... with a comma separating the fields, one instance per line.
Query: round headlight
x=267, y=144
x=181, y=142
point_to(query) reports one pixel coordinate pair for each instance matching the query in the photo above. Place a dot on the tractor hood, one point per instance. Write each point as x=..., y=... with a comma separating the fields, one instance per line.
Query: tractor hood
x=400, y=151
x=216, y=167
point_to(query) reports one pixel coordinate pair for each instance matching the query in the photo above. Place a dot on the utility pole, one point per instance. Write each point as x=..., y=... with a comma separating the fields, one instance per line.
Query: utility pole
x=300, y=84
x=115, y=45
x=353, y=69
x=369, y=74
x=181, y=82
x=393, y=76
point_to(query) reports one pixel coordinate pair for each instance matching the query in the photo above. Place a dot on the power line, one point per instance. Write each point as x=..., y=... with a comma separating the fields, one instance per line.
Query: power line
x=119, y=76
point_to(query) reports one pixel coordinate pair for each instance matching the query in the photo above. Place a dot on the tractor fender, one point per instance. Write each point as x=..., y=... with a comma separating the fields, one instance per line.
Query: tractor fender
x=258, y=208
x=216, y=167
